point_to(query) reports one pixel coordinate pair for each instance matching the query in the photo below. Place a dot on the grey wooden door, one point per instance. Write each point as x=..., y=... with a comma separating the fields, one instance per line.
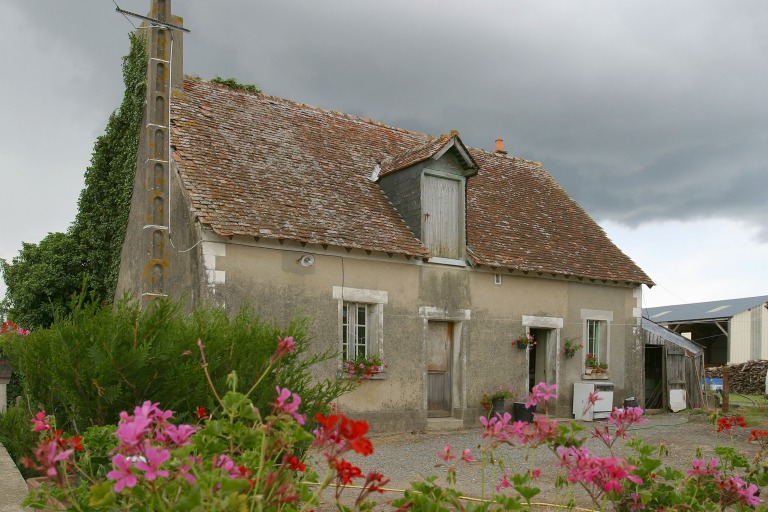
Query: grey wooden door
x=440, y=203
x=675, y=369
x=439, y=368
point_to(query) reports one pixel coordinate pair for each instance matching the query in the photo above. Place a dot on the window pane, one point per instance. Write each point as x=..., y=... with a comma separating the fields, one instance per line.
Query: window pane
x=355, y=330
x=345, y=334
x=593, y=338
x=362, y=329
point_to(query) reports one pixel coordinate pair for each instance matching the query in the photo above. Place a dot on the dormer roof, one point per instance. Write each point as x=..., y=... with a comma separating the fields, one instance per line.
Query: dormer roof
x=432, y=149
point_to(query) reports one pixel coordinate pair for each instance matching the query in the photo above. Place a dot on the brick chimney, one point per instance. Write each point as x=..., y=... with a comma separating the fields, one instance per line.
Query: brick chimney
x=500, y=147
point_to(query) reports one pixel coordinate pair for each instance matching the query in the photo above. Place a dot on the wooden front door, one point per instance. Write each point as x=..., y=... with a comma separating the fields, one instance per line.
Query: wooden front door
x=439, y=368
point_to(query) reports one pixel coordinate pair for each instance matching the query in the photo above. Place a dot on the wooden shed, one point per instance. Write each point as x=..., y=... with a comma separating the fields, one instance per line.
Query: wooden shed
x=674, y=369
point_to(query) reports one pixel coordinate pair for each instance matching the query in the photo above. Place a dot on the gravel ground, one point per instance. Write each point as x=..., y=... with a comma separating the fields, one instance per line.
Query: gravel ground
x=404, y=458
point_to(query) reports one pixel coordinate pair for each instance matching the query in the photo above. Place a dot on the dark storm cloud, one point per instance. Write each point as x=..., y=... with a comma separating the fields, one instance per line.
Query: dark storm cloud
x=642, y=110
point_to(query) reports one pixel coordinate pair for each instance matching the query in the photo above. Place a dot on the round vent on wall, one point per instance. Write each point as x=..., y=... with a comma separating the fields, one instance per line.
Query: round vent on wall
x=307, y=260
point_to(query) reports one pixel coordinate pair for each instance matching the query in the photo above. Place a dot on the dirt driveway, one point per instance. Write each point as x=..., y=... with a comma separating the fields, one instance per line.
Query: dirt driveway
x=407, y=457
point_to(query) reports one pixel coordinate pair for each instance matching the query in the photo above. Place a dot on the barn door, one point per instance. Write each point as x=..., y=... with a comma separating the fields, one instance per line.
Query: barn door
x=439, y=368
x=676, y=392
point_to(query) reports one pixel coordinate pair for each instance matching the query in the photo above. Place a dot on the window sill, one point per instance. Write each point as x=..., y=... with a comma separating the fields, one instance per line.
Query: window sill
x=596, y=376
x=373, y=376
x=448, y=261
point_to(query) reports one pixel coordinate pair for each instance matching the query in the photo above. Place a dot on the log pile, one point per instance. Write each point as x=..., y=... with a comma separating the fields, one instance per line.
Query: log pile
x=746, y=378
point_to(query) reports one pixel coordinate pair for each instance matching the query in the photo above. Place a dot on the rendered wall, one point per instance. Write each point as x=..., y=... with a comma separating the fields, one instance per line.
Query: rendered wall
x=488, y=317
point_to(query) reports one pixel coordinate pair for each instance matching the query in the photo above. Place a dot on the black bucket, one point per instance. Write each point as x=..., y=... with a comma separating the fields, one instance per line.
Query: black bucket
x=522, y=413
x=631, y=402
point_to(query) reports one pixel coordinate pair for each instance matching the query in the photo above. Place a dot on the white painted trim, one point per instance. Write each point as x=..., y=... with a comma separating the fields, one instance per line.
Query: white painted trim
x=443, y=174
x=216, y=276
x=360, y=295
x=212, y=250
x=599, y=315
x=374, y=177
x=444, y=149
x=435, y=313
x=596, y=314
x=448, y=261
x=544, y=322
x=376, y=299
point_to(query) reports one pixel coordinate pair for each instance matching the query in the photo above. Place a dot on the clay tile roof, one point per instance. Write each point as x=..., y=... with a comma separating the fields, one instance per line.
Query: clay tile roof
x=258, y=165
x=519, y=218
x=262, y=166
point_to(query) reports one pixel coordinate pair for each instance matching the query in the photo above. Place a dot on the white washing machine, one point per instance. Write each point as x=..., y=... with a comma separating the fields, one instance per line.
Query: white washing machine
x=602, y=408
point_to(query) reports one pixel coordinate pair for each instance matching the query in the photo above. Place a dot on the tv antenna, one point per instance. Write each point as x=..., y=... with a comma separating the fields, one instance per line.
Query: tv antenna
x=151, y=20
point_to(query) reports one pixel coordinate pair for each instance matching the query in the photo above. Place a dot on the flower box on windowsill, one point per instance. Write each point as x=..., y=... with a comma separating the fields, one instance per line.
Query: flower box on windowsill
x=380, y=375
x=596, y=376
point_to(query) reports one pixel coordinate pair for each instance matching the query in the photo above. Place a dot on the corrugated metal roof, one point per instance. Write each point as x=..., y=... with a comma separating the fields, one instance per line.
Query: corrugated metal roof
x=703, y=310
x=672, y=337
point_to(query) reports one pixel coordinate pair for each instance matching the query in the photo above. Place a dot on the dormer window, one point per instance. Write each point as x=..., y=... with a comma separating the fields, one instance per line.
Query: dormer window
x=427, y=185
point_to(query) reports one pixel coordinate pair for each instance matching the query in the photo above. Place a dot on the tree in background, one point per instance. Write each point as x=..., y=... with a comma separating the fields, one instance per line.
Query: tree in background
x=43, y=277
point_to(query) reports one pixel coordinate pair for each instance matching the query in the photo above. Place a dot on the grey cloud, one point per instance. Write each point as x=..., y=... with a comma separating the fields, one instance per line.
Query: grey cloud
x=643, y=110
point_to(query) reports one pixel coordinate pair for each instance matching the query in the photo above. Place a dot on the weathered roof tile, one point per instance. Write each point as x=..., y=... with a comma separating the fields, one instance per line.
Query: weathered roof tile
x=258, y=165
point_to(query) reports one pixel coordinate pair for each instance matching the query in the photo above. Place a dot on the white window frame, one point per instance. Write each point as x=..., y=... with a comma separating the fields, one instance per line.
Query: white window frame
x=596, y=329
x=375, y=301
x=602, y=320
x=351, y=327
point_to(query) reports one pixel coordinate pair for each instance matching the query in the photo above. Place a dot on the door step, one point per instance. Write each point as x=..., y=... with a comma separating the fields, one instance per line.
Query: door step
x=444, y=424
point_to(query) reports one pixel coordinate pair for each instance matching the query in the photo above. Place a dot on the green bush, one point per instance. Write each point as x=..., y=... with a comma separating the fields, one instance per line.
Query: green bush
x=17, y=436
x=87, y=368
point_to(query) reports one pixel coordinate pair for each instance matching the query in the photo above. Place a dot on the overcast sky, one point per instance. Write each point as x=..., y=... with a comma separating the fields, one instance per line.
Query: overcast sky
x=652, y=114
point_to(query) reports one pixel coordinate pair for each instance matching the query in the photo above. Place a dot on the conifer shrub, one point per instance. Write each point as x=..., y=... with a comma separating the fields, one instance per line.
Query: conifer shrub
x=98, y=361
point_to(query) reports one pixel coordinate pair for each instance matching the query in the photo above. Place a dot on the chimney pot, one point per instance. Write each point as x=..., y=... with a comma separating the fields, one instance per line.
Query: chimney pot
x=500, y=147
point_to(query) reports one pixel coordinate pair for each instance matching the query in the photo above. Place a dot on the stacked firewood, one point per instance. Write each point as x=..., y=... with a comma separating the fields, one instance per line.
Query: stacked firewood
x=746, y=378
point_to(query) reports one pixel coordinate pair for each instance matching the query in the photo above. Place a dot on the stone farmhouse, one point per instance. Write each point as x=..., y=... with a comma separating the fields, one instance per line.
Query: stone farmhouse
x=433, y=255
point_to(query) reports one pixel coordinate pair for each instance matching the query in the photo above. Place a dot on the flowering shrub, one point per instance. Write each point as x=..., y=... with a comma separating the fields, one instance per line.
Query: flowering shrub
x=9, y=326
x=363, y=366
x=235, y=458
x=501, y=392
x=571, y=345
x=524, y=340
x=627, y=475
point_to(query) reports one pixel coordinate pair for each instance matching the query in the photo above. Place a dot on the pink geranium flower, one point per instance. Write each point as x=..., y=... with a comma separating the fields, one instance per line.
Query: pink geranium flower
x=284, y=346
x=282, y=405
x=154, y=458
x=700, y=467
x=123, y=474
x=541, y=392
x=179, y=434
x=446, y=454
x=132, y=431
x=503, y=483
x=40, y=422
